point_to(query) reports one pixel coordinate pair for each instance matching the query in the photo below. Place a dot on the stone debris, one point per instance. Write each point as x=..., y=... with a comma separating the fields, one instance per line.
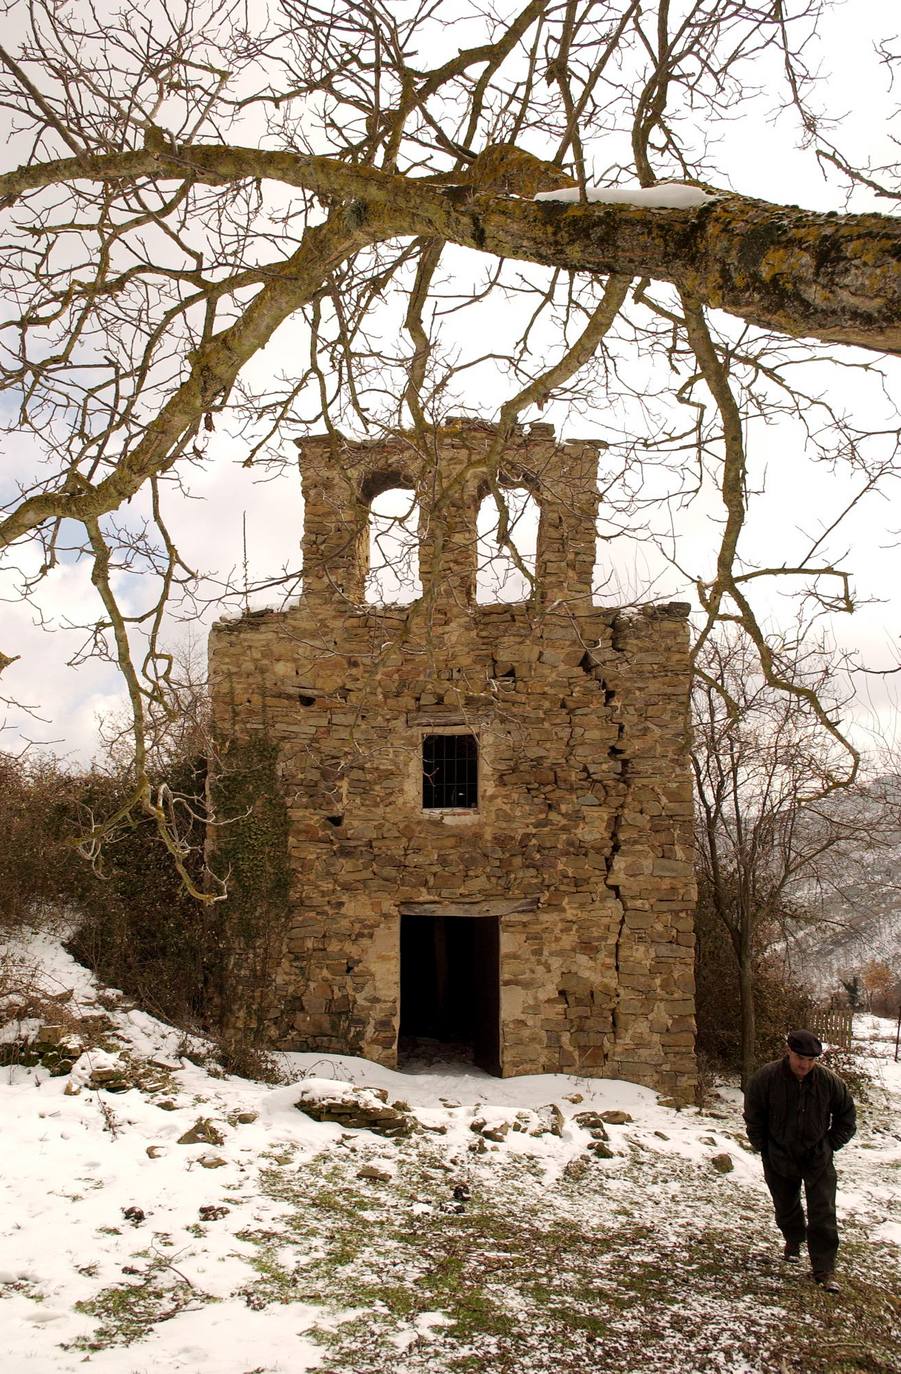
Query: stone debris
x=723, y=1163
x=551, y=1120
x=98, y=1069
x=211, y=1212
x=203, y=1132
x=593, y=1122
x=57, y=1048
x=614, y=1118
x=374, y=1174
x=364, y=1109
x=492, y=1130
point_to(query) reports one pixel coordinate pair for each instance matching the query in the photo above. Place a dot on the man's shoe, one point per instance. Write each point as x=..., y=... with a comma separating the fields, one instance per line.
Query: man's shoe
x=827, y=1281
x=792, y=1251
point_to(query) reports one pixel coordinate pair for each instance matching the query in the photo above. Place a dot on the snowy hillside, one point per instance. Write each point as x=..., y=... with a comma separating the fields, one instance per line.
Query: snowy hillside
x=862, y=918
x=158, y=1217
x=859, y=892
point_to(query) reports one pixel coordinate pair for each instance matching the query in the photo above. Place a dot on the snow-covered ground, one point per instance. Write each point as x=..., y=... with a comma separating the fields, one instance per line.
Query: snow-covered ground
x=492, y=1238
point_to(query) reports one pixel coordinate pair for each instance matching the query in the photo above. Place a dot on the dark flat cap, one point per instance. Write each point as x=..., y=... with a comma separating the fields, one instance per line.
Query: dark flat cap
x=804, y=1042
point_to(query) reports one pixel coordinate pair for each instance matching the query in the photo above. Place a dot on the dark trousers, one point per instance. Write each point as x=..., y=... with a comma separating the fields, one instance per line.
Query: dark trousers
x=820, y=1226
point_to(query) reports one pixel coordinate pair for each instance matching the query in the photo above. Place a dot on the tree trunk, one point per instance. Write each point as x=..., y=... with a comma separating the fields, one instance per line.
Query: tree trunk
x=748, y=1021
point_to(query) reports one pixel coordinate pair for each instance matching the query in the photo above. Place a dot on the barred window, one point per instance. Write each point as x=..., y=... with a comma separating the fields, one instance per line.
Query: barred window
x=450, y=771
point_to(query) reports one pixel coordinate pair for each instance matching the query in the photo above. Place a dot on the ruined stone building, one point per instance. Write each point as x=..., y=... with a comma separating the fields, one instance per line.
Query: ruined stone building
x=486, y=808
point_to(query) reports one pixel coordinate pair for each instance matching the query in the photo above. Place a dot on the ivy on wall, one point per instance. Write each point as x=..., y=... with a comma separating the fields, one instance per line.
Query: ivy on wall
x=248, y=847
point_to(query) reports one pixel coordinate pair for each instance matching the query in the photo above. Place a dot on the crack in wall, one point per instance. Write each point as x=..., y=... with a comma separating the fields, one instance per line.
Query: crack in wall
x=617, y=755
x=610, y=862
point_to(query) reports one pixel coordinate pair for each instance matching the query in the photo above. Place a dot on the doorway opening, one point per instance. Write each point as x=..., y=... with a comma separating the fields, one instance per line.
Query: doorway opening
x=450, y=989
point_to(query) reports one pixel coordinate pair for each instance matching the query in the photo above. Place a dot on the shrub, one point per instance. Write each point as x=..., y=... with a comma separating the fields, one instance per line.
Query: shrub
x=137, y=927
x=780, y=1003
x=36, y=797
x=200, y=966
x=139, y=930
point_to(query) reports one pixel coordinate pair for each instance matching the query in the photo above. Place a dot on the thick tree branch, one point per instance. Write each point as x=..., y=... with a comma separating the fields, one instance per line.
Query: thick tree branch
x=213, y=370
x=826, y=276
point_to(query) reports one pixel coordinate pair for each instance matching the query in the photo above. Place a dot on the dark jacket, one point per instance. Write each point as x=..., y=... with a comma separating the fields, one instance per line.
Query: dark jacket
x=797, y=1123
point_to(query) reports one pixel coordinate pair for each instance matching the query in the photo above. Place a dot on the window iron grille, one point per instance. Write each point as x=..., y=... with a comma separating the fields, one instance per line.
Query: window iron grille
x=450, y=772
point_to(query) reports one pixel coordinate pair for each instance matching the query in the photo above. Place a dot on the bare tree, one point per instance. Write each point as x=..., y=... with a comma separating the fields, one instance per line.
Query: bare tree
x=772, y=828
x=190, y=183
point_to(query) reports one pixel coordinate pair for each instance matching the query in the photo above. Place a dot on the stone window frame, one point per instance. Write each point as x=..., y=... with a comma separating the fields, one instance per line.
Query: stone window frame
x=513, y=479
x=460, y=813
x=373, y=485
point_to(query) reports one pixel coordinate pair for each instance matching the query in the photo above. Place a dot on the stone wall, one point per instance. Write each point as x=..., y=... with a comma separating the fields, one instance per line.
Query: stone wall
x=580, y=845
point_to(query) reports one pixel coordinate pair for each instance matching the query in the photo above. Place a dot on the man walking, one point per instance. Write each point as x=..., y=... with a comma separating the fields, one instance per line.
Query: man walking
x=797, y=1113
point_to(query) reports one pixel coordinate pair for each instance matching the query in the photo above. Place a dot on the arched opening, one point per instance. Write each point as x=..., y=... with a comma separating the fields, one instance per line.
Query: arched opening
x=504, y=572
x=393, y=577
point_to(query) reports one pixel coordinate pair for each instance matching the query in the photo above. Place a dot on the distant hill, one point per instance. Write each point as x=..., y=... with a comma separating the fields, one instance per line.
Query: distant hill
x=860, y=897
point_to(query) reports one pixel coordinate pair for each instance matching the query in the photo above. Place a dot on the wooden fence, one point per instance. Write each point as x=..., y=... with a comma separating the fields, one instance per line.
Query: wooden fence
x=833, y=1025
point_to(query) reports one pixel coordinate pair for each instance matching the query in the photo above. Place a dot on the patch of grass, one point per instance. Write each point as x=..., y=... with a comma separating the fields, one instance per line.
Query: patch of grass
x=25, y=1287
x=127, y=1311
x=595, y=1326
x=525, y=1282
x=276, y=1283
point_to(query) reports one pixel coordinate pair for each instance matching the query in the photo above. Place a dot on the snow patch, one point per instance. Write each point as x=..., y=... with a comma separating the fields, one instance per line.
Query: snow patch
x=666, y=195
x=94, y=1062
x=98, y=1195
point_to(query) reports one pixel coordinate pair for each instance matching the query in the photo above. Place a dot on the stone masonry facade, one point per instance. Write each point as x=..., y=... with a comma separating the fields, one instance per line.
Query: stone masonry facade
x=580, y=844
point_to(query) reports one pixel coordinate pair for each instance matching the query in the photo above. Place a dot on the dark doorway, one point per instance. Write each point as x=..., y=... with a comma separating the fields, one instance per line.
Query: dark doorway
x=450, y=985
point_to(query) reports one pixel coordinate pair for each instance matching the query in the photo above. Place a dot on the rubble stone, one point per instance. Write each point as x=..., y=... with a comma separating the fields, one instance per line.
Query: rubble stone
x=373, y=1174
x=592, y=1121
x=203, y=1132
x=357, y=1109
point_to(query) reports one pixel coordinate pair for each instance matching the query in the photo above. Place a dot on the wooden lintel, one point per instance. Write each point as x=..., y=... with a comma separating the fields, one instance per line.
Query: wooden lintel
x=476, y=906
x=439, y=718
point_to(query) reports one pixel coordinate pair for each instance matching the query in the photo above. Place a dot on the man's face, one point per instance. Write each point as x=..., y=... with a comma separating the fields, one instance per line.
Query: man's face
x=800, y=1064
